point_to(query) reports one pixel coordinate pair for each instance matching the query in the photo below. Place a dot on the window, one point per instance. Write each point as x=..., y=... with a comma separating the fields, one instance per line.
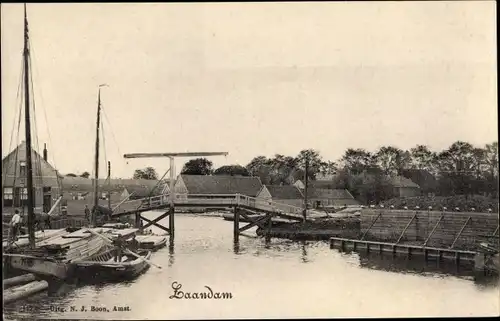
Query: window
x=24, y=196
x=24, y=193
x=22, y=168
x=8, y=196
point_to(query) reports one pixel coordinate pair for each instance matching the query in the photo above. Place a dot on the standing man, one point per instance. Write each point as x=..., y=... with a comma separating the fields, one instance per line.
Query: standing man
x=87, y=212
x=119, y=245
x=15, y=224
x=133, y=244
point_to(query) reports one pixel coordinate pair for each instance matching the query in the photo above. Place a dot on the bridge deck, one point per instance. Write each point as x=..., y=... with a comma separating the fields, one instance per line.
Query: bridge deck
x=212, y=201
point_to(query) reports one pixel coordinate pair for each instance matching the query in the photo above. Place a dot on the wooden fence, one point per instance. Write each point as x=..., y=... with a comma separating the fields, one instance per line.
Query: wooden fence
x=461, y=230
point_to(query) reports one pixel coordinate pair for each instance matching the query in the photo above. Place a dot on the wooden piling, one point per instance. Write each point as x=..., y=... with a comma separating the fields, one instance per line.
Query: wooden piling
x=236, y=226
x=21, y=279
x=20, y=292
x=137, y=220
x=171, y=223
x=269, y=225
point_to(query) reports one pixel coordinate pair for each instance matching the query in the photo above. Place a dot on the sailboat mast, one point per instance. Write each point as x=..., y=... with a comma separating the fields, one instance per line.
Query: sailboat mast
x=96, y=178
x=29, y=163
x=109, y=184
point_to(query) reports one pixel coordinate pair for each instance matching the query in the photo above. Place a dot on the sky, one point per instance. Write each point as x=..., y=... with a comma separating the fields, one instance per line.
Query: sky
x=250, y=79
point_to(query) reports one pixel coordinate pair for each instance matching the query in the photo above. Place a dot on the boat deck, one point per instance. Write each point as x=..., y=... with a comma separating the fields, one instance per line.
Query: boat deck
x=39, y=237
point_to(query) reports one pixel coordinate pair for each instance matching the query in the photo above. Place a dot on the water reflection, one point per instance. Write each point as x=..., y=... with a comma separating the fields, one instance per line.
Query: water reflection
x=418, y=265
x=304, y=252
x=236, y=247
x=206, y=253
x=171, y=254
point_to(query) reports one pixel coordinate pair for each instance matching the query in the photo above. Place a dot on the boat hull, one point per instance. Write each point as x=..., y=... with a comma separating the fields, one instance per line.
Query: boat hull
x=230, y=217
x=484, y=262
x=42, y=266
x=101, y=272
x=77, y=249
x=151, y=242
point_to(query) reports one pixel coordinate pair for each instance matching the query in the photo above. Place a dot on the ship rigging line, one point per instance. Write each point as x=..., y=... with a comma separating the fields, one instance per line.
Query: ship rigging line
x=111, y=130
x=37, y=75
x=38, y=165
x=104, y=147
x=20, y=108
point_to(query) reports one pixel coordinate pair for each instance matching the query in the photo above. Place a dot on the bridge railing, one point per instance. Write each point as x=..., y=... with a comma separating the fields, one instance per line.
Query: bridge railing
x=215, y=200
x=140, y=203
x=269, y=205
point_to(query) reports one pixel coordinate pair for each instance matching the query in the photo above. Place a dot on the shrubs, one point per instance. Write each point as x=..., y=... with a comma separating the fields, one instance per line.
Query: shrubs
x=464, y=202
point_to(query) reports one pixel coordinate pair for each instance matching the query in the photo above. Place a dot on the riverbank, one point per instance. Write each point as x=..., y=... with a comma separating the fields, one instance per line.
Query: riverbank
x=315, y=230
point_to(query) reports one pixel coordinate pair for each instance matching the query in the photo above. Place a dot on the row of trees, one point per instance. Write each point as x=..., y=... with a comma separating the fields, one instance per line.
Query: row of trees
x=84, y=175
x=461, y=169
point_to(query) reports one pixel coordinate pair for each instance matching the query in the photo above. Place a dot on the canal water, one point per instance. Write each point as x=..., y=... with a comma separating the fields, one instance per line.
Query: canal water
x=281, y=279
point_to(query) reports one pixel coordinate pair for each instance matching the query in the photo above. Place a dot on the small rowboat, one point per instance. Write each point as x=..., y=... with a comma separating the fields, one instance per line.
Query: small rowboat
x=253, y=217
x=104, y=268
x=151, y=242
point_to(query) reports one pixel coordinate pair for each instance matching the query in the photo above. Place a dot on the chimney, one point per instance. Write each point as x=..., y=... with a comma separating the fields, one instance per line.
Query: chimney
x=45, y=152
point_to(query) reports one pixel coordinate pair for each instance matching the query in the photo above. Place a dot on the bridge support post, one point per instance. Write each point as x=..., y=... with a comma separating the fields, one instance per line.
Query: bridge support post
x=236, y=226
x=171, y=223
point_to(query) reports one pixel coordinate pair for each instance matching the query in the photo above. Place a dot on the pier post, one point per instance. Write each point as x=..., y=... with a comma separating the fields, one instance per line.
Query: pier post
x=236, y=225
x=269, y=225
x=137, y=220
x=171, y=223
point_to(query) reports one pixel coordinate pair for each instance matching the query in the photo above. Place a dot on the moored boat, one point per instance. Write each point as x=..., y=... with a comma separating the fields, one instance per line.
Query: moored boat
x=103, y=268
x=487, y=259
x=151, y=242
x=52, y=257
x=23, y=241
x=147, y=239
x=230, y=217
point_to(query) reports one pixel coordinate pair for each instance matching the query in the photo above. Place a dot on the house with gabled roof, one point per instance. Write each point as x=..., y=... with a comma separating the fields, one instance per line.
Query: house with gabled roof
x=316, y=197
x=284, y=194
x=46, y=180
x=424, y=179
x=208, y=186
x=404, y=187
x=134, y=192
x=80, y=188
x=336, y=198
x=323, y=184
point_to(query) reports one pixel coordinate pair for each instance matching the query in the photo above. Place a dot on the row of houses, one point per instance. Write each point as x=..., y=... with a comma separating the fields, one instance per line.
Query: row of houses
x=201, y=186
x=49, y=185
